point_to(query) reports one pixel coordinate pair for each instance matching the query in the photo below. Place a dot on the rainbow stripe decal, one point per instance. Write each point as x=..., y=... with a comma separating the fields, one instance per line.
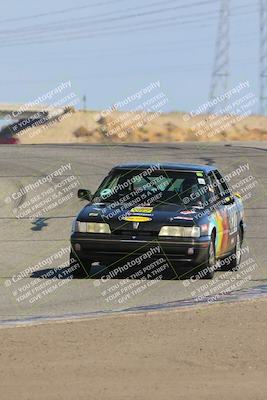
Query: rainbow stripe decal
x=220, y=221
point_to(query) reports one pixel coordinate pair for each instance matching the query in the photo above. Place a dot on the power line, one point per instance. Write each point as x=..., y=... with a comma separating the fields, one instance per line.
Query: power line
x=183, y=68
x=145, y=47
x=78, y=27
x=62, y=11
x=145, y=26
x=103, y=33
x=99, y=17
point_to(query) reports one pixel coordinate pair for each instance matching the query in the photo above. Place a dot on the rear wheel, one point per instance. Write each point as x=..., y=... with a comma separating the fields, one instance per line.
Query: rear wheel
x=80, y=268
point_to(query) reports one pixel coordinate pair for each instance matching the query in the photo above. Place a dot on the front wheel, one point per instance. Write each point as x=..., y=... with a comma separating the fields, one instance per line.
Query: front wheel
x=207, y=272
x=235, y=257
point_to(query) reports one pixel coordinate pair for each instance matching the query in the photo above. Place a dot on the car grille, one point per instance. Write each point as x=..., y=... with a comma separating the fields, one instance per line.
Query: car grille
x=136, y=232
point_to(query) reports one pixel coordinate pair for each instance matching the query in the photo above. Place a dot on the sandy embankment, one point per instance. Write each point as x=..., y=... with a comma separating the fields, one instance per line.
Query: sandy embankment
x=120, y=127
x=216, y=352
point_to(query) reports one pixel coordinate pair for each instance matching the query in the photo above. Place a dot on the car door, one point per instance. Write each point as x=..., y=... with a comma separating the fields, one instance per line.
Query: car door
x=224, y=217
x=231, y=208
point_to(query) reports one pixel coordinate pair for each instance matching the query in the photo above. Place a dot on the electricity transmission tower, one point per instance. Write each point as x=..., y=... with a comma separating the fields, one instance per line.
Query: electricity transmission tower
x=220, y=74
x=263, y=56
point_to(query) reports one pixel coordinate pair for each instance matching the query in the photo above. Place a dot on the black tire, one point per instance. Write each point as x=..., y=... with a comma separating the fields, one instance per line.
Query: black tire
x=208, y=271
x=81, y=268
x=235, y=256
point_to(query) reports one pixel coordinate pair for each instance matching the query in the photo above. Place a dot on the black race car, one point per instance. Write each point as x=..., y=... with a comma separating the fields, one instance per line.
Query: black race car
x=188, y=211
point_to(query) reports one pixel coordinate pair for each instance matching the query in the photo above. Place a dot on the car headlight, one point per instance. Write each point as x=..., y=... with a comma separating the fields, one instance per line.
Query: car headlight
x=80, y=226
x=92, y=227
x=98, y=227
x=73, y=225
x=181, y=231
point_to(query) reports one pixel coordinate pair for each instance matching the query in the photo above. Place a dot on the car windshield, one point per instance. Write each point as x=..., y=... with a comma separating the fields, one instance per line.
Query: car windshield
x=153, y=186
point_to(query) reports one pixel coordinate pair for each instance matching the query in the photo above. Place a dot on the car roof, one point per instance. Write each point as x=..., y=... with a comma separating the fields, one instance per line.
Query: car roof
x=168, y=166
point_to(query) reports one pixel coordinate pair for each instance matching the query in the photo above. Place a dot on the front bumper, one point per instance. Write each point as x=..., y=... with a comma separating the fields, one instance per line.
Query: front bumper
x=114, y=248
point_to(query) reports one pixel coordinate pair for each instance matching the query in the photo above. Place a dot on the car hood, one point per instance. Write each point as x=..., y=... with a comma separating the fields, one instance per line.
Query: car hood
x=149, y=217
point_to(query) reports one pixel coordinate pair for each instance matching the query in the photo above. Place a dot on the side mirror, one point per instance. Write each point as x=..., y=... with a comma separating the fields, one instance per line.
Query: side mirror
x=84, y=194
x=236, y=194
x=228, y=200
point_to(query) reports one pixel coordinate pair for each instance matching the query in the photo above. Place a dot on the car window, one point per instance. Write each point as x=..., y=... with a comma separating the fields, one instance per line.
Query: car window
x=172, y=186
x=225, y=189
x=152, y=183
x=219, y=186
x=214, y=188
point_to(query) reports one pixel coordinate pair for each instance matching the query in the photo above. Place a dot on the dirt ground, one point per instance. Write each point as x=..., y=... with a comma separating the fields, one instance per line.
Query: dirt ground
x=213, y=352
x=120, y=127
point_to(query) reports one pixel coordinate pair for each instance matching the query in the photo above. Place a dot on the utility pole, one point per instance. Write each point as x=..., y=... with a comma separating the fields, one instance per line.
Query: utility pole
x=263, y=57
x=84, y=103
x=220, y=74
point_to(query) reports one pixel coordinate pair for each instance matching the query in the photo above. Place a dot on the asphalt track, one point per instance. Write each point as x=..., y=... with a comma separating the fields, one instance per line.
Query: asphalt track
x=24, y=243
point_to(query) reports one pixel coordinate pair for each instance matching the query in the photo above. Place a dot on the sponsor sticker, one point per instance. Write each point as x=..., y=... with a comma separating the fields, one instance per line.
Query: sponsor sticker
x=105, y=192
x=184, y=218
x=237, y=195
x=137, y=218
x=144, y=210
x=201, y=181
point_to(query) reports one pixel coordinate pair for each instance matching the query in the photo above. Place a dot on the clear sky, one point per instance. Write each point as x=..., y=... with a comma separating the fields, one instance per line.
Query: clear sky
x=110, y=49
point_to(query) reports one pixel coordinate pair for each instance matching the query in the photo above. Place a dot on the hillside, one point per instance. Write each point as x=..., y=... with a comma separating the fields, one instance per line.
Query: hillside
x=92, y=127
